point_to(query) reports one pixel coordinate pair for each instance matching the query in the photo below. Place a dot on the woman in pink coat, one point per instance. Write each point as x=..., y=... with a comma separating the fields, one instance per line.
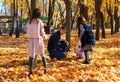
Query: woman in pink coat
x=35, y=31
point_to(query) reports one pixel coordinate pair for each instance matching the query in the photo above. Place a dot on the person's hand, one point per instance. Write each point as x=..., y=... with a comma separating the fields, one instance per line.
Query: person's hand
x=79, y=46
x=67, y=43
x=46, y=37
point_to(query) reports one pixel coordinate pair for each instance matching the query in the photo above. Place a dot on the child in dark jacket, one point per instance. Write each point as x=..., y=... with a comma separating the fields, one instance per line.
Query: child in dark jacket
x=86, y=37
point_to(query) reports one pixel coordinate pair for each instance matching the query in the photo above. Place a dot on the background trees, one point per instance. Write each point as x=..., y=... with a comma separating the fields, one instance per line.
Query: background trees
x=100, y=14
x=104, y=66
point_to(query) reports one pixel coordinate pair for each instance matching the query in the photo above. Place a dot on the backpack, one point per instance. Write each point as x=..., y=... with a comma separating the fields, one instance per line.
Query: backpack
x=88, y=36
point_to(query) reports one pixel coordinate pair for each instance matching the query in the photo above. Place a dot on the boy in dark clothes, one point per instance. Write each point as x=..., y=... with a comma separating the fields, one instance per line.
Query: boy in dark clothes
x=56, y=47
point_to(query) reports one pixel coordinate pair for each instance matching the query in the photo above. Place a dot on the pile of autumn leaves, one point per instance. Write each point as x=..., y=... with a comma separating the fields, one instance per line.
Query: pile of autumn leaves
x=104, y=66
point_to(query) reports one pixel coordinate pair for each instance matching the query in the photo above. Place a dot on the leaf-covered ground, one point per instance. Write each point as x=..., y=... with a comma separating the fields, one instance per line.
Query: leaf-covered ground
x=104, y=66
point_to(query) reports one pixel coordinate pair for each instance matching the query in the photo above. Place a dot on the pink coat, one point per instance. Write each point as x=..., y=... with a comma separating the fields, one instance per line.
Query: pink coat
x=35, y=32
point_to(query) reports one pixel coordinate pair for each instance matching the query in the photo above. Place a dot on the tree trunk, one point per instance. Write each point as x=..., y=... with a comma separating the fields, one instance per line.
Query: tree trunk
x=21, y=20
x=12, y=28
x=97, y=27
x=50, y=14
x=68, y=20
x=83, y=9
x=111, y=23
x=109, y=11
x=34, y=4
x=116, y=18
x=97, y=9
x=28, y=7
x=102, y=25
x=17, y=29
x=17, y=23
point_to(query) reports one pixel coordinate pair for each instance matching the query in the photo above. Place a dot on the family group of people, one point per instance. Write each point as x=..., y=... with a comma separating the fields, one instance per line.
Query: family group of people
x=56, y=47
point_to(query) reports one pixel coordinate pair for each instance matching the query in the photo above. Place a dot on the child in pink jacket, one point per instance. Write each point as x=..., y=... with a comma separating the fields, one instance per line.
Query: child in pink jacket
x=78, y=51
x=35, y=32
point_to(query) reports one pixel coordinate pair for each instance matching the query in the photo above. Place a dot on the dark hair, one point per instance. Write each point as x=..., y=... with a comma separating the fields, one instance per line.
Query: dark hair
x=81, y=20
x=63, y=27
x=36, y=14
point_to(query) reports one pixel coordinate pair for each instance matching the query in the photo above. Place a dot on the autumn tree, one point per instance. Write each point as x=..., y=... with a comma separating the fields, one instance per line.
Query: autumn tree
x=74, y=12
x=61, y=11
x=116, y=18
x=15, y=19
x=34, y=4
x=97, y=9
x=13, y=9
x=83, y=9
x=102, y=23
x=50, y=15
x=109, y=11
x=68, y=19
x=28, y=6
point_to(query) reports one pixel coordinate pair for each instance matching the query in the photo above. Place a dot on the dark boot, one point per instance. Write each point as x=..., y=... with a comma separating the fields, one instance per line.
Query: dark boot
x=31, y=62
x=51, y=57
x=35, y=60
x=87, y=60
x=44, y=62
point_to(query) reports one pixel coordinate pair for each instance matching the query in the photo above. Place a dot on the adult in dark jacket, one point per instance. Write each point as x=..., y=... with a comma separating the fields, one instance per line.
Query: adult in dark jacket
x=56, y=47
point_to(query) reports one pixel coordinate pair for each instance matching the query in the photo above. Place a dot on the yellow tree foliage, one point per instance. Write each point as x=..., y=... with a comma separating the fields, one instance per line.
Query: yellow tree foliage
x=8, y=1
x=20, y=3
